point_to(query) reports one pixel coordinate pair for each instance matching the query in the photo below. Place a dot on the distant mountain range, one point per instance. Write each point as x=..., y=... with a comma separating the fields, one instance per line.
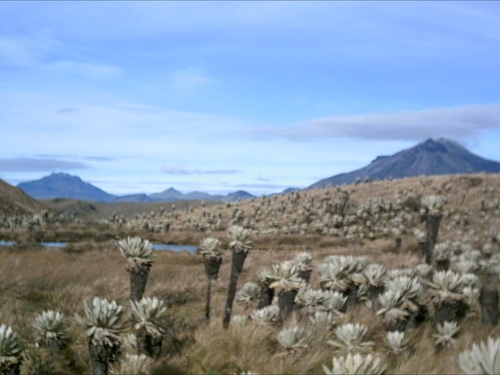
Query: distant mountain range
x=433, y=157
x=62, y=185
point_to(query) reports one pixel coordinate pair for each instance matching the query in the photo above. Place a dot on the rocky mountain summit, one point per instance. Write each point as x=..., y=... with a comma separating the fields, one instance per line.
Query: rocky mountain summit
x=435, y=156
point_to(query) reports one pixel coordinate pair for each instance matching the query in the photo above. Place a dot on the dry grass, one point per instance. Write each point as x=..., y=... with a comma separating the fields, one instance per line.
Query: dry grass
x=36, y=279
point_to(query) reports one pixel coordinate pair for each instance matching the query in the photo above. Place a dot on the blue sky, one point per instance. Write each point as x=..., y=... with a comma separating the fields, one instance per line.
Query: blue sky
x=220, y=96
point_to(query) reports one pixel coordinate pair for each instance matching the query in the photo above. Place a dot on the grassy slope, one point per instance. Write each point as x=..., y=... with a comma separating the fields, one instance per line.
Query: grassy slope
x=97, y=210
x=15, y=201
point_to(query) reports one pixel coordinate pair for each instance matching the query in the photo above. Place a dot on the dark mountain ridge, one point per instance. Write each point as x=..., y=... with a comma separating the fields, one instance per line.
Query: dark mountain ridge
x=438, y=156
x=62, y=185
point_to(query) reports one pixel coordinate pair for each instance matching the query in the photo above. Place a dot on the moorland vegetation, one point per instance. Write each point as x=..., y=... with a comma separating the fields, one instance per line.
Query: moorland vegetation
x=376, y=277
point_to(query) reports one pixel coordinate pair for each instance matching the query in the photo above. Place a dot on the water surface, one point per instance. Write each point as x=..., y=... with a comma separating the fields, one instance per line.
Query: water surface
x=156, y=246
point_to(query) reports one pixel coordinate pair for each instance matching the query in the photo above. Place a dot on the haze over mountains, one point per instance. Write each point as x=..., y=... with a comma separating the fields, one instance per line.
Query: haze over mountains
x=432, y=157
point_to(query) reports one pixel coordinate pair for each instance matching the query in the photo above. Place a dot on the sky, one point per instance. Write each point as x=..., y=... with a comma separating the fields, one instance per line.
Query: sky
x=136, y=97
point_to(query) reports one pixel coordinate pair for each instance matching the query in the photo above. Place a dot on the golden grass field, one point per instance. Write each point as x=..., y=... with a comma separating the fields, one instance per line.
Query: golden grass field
x=34, y=279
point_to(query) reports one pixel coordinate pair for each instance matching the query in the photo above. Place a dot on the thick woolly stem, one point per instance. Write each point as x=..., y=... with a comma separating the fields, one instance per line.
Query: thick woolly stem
x=147, y=344
x=433, y=220
x=212, y=266
x=138, y=281
x=237, y=261
x=488, y=299
x=208, y=297
x=446, y=311
x=286, y=303
x=101, y=356
x=266, y=297
x=398, y=245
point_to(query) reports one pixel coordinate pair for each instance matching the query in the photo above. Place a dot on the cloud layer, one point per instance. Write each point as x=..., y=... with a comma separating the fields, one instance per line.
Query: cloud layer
x=38, y=165
x=184, y=171
x=458, y=123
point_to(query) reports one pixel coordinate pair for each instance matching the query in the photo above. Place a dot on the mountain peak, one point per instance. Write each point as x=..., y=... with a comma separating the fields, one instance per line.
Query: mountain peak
x=63, y=185
x=62, y=176
x=433, y=145
x=434, y=156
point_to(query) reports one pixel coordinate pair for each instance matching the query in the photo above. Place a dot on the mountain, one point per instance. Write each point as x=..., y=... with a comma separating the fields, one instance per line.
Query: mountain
x=62, y=185
x=433, y=157
x=134, y=198
x=15, y=201
x=167, y=195
x=173, y=195
x=239, y=195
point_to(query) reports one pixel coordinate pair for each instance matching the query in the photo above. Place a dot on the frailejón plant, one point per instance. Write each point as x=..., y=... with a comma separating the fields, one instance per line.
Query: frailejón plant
x=51, y=329
x=102, y=329
x=240, y=244
x=355, y=364
x=482, y=358
x=248, y=294
x=447, y=295
x=287, y=282
x=324, y=320
x=10, y=351
x=212, y=258
x=150, y=320
x=292, y=339
x=139, y=254
x=393, y=309
x=445, y=334
x=351, y=337
x=396, y=341
x=269, y=315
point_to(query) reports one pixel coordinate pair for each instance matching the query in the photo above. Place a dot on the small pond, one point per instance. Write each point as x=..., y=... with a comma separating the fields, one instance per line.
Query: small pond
x=156, y=246
x=162, y=246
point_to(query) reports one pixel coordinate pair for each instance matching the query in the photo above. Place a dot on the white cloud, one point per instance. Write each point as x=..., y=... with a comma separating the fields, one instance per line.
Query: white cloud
x=456, y=122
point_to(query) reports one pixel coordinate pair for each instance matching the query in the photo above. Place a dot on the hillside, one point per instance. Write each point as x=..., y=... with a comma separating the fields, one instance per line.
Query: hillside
x=15, y=201
x=432, y=157
x=84, y=210
x=364, y=211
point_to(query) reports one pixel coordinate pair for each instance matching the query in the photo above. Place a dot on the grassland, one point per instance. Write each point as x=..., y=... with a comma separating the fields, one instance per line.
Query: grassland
x=34, y=279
